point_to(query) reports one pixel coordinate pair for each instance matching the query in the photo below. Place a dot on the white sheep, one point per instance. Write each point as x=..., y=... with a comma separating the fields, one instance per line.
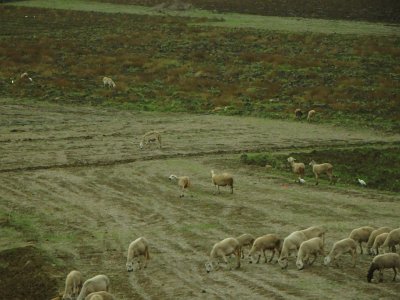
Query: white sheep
x=94, y=284
x=361, y=235
x=73, y=285
x=149, y=138
x=102, y=295
x=319, y=169
x=374, y=234
x=298, y=113
x=307, y=248
x=297, y=168
x=384, y=261
x=314, y=231
x=223, y=179
x=290, y=243
x=341, y=247
x=392, y=240
x=138, y=247
x=107, y=81
x=310, y=115
x=183, y=183
x=379, y=241
x=245, y=240
x=223, y=249
x=266, y=242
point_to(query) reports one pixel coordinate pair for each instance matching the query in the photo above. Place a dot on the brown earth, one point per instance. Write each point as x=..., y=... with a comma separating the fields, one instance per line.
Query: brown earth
x=75, y=184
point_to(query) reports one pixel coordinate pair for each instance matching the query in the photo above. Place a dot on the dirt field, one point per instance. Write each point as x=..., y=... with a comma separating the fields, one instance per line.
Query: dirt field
x=75, y=182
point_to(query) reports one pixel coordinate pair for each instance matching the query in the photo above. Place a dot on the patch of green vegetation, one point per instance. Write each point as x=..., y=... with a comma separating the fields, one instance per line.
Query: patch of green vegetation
x=378, y=167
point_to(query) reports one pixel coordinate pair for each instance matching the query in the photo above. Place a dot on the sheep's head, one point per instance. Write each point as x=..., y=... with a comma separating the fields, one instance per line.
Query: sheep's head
x=283, y=263
x=141, y=145
x=327, y=260
x=291, y=159
x=312, y=163
x=172, y=177
x=209, y=266
x=300, y=265
x=129, y=266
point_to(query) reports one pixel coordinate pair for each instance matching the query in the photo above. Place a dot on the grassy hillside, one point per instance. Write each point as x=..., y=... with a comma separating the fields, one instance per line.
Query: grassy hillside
x=163, y=63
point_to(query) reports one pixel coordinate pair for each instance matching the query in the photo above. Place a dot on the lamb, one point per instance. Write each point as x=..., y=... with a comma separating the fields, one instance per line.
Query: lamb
x=379, y=241
x=183, y=183
x=392, y=240
x=361, y=235
x=263, y=243
x=310, y=115
x=343, y=246
x=245, y=240
x=102, y=295
x=223, y=179
x=150, y=137
x=291, y=242
x=94, y=284
x=298, y=113
x=73, y=285
x=223, y=249
x=319, y=169
x=374, y=234
x=384, y=261
x=297, y=168
x=107, y=81
x=138, y=247
x=313, y=247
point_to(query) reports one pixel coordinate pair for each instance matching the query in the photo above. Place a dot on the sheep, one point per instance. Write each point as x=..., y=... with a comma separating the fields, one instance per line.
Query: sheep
x=245, y=240
x=73, y=285
x=107, y=81
x=314, y=231
x=297, y=168
x=361, y=235
x=183, y=183
x=384, y=261
x=94, y=284
x=102, y=295
x=313, y=247
x=310, y=115
x=223, y=249
x=379, y=241
x=223, y=179
x=392, y=240
x=298, y=113
x=138, y=247
x=343, y=246
x=150, y=137
x=291, y=242
x=263, y=243
x=373, y=235
x=319, y=169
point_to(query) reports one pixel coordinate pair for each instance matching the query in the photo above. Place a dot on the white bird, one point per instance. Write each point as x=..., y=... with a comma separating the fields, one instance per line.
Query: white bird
x=302, y=181
x=361, y=182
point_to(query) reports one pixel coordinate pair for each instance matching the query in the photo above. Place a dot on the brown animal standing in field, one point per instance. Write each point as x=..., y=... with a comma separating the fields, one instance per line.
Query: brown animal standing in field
x=298, y=113
x=297, y=168
x=73, y=285
x=150, y=138
x=223, y=249
x=245, y=240
x=183, y=183
x=311, y=115
x=138, y=247
x=384, y=261
x=223, y=179
x=107, y=81
x=94, y=284
x=319, y=169
x=361, y=235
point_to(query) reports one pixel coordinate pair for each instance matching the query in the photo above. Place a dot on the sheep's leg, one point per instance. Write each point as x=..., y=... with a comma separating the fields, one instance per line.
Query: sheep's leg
x=361, y=248
x=231, y=189
x=273, y=253
x=316, y=179
x=395, y=273
x=315, y=257
x=354, y=256
x=380, y=276
x=259, y=256
x=237, y=253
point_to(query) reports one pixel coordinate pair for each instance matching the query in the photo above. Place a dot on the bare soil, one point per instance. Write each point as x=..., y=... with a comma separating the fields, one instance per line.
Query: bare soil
x=76, y=185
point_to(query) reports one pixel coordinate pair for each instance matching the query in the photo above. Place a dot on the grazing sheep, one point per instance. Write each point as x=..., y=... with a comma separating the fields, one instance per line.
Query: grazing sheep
x=313, y=247
x=73, y=285
x=344, y=246
x=379, y=241
x=297, y=168
x=384, y=261
x=373, y=235
x=298, y=113
x=223, y=179
x=392, y=240
x=138, y=247
x=310, y=115
x=223, y=249
x=245, y=240
x=149, y=138
x=107, y=81
x=361, y=235
x=183, y=183
x=319, y=169
x=314, y=231
x=94, y=284
x=100, y=296
x=291, y=242
x=263, y=243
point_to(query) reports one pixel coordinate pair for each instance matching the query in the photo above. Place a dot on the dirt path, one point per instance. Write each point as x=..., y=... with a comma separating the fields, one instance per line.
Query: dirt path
x=79, y=175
